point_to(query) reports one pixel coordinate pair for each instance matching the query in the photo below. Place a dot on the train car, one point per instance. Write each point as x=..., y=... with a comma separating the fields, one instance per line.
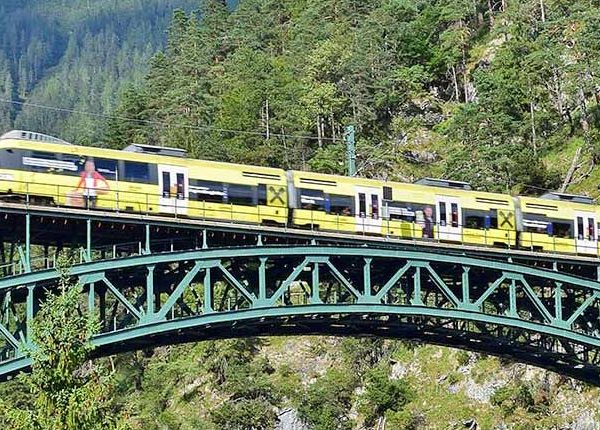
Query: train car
x=460, y=214
x=557, y=222
x=141, y=178
x=430, y=209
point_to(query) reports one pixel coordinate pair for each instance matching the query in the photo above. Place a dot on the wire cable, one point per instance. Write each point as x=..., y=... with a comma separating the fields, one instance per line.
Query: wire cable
x=162, y=123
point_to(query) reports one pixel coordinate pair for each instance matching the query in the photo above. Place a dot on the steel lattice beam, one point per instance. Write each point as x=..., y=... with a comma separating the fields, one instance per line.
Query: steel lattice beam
x=538, y=316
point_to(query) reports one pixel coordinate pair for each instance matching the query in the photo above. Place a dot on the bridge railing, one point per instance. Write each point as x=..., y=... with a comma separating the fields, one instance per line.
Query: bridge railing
x=311, y=219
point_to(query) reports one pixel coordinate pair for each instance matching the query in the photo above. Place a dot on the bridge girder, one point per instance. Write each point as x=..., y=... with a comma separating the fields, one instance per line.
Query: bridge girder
x=542, y=317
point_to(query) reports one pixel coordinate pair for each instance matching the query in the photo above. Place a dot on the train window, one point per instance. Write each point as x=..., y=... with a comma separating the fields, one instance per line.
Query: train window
x=207, y=191
x=107, y=168
x=166, y=185
x=312, y=199
x=477, y=219
x=262, y=194
x=591, y=233
x=411, y=212
x=580, y=231
x=443, y=219
x=341, y=205
x=562, y=229
x=241, y=194
x=387, y=193
x=136, y=172
x=11, y=159
x=43, y=162
x=362, y=205
x=454, y=209
x=598, y=231
x=374, y=206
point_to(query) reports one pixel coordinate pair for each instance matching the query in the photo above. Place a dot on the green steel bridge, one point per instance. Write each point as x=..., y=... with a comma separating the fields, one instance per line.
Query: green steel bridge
x=159, y=280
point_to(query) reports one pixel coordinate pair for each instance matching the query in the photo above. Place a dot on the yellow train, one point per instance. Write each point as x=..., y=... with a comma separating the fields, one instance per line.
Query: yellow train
x=149, y=179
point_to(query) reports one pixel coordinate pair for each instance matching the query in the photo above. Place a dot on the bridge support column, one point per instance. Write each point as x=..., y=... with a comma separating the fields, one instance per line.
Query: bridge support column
x=208, y=305
x=147, y=243
x=466, y=291
x=27, y=263
x=150, y=296
x=30, y=311
x=91, y=298
x=417, y=300
x=262, y=301
x=558, y=308
x=512, y=298
x=315, y=297
x=88, y=240
x=367, y=296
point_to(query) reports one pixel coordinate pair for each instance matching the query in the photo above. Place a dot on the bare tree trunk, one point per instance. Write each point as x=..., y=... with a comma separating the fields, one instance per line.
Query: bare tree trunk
x=533, y=132
x=455, y=81
x=319, y=135
x=532, y=118
x=332, y=122
x=543, y=10
x=585, y=123
x=490, y=12
x=268, y=119
x=571, y=171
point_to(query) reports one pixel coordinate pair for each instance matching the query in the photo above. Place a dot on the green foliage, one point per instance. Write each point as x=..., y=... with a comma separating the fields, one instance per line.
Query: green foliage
x=512, y=396
x=383, y=394
x=326, y=403
x=75, y=55
x=69, y=395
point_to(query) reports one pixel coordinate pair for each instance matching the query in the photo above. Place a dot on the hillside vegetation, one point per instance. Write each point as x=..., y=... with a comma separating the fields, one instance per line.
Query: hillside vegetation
x=504, y=94
x=501, y=94
x=75, y=54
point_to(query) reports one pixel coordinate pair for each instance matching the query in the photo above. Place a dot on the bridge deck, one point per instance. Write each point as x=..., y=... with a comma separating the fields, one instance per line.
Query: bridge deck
x=184, y=226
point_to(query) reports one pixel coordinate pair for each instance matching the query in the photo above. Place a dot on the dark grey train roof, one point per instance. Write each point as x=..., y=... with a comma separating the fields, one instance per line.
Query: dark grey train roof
x=156, y=150
x=568, y=197
x=32, y=135
x=433, y=182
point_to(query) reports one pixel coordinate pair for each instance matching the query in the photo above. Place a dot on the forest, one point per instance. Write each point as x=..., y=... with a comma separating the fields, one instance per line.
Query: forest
x=504, y=94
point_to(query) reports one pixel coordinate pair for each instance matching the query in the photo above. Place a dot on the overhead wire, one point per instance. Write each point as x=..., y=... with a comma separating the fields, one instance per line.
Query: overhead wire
x=163, y=123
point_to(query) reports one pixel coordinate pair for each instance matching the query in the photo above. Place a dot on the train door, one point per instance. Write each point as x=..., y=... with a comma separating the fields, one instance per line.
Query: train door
x=585, y=233
x=174, y=192
x=368, y=209
x=448, y=218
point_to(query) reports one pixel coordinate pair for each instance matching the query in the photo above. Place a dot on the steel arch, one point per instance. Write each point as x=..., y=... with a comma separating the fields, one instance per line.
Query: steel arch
x=538, y=316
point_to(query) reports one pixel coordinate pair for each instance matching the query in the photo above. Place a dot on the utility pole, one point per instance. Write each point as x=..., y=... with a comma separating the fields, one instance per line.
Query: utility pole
x=350, y=150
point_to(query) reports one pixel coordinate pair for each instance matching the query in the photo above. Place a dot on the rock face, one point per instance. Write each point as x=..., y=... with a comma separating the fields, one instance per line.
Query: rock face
x=585, y=421
x=288, y=420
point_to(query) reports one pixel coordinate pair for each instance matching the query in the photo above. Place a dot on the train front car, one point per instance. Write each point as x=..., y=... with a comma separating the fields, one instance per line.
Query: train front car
x=561, y=223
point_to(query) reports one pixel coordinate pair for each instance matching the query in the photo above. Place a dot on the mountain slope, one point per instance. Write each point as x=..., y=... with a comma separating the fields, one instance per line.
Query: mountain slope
x=77, y=55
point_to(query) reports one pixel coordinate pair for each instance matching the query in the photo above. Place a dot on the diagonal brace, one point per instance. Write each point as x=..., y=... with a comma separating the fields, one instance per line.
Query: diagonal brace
x=9, y=337
x=288, y=281
x=343, y=280
x=120, y=297
x=581, y=309
x=176, y=294
x=237, y=284
x=490, y=290
x=389, y=284
x=536, y=301
x=442, y=285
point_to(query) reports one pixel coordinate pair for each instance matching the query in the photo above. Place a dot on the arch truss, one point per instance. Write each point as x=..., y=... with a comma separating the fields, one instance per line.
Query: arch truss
x=538, y=316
